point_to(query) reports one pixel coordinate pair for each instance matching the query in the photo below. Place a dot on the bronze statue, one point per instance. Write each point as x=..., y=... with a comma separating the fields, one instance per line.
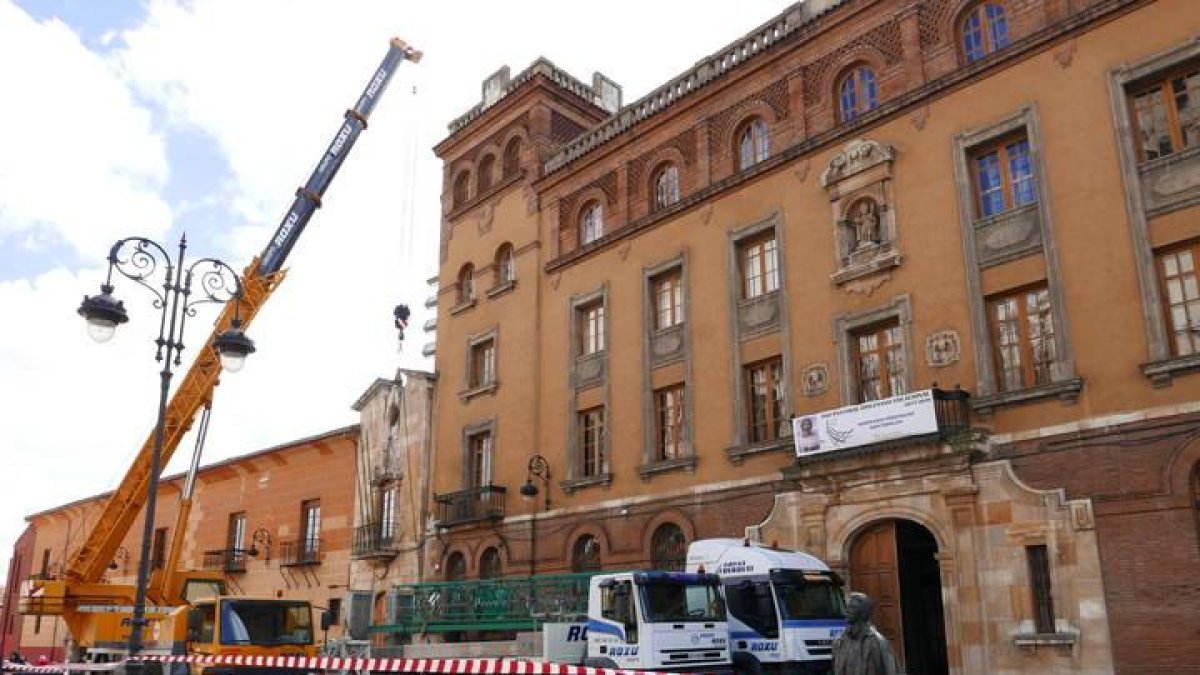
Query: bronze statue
x=862, y=649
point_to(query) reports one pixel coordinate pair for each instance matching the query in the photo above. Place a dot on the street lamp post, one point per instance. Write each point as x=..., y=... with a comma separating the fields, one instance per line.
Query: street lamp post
x=140, y=259
x=538, y=467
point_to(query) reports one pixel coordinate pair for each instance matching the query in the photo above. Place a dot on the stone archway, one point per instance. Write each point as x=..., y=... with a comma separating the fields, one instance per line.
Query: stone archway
x=895, y=562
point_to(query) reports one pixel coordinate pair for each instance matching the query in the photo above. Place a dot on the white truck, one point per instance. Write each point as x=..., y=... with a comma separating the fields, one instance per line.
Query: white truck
x=785, y=607
x=661, y=621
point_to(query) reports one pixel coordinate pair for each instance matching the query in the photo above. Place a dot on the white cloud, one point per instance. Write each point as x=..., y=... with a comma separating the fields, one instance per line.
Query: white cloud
x=267, y=81
x=80, y=161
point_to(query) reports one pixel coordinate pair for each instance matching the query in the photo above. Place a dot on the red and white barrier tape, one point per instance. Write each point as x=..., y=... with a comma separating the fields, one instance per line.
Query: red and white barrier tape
x=430, y=666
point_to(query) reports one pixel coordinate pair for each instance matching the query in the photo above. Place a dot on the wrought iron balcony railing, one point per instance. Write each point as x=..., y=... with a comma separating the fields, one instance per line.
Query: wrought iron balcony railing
x=226, y=560
x=953, y=412
x=373, y=540
x=301, y=552
x=521, y=603
x=464, y=506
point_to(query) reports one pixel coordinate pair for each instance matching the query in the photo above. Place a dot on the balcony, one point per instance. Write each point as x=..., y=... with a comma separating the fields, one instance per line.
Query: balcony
x=475, y=504
x=301, y=553
x=227, y=560
x=522, y=603
x=371, y=541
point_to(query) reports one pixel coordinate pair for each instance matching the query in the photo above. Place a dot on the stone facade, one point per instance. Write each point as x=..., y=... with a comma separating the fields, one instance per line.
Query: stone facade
x=391, y=494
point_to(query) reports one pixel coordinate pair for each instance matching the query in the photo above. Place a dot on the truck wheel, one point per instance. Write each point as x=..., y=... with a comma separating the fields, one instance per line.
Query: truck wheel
x=747, y=664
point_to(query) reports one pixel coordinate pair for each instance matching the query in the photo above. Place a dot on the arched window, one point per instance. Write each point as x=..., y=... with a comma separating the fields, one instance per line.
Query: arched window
x=666, y=186
x=505, y=271
x=857, y=93
x=984, y=30
x=591, y=223
x=489, y=564
x=668, y=548
x=487, y=173
x=456, y=567
x=512, y=156
x=466, y=284
x=752, y=143
x=462, y=187
x=585, y=555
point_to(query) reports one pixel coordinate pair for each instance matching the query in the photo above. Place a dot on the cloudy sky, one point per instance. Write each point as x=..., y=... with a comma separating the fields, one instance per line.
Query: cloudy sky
x=161, y=117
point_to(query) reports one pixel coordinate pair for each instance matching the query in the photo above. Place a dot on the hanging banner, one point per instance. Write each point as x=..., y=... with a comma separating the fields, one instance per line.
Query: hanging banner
x=854, y=426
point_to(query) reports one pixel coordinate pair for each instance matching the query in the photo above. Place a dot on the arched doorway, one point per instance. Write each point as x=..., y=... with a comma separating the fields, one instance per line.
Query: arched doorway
x=895, y=562
x=668, y=548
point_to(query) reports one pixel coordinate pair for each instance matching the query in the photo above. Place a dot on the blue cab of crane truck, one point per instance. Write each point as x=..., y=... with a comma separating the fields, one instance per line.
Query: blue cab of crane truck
x=786, y=608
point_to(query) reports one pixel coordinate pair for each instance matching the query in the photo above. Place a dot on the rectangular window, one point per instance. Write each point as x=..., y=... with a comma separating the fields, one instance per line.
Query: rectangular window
x=1039, y=583
x=591, y=328
x=1167, y=114
x=764, y=400
x=45, y=562
x=310, y=529
x=158, y=555
x=387, y=514
x=880, y=361
x=236, y=534
x=480, y=447
x=669, y=416
x=1181, y=298
x=1022, y=338
x=760, y=266
x=483, y=363
x=1004, y=176
x=667, y=291
x=591, y=443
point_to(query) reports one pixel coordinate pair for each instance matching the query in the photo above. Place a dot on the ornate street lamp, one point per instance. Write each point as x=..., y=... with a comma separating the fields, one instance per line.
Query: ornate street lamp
x=140, y=259
x=539, y=468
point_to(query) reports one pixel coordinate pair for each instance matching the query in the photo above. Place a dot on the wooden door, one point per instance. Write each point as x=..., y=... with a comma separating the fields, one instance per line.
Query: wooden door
x=873, y=571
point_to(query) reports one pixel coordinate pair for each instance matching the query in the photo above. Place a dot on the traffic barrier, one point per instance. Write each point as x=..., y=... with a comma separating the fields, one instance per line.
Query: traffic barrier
x=415, y=666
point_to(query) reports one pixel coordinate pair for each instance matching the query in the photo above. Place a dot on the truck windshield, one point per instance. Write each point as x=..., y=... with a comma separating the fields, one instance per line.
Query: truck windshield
x=810, y=600
x=666, y=601
x=265, y=622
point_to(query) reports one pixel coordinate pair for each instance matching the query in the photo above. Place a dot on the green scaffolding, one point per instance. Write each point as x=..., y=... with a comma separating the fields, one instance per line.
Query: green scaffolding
x=521, y=603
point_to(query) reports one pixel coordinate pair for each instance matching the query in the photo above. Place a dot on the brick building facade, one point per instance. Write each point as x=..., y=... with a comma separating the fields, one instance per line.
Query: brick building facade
x=855, y=201
x=277, y=522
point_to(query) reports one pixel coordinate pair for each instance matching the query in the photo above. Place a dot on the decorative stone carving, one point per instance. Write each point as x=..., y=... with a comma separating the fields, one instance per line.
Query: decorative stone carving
x=666, y=344
x=801, y=171
x=531, y=200
x=867, y=285
x=484, y=218
x=942, y=348
x=589, y=369
x=1081, y=514
x=814, y=379
x=759, y=314
x=1172, y=182
x=1010, y=235
x=858, y=181
x=623, y=251
x=920, y=117
x=1064, y=55
x=706, y=213
x=555, y=280
x=859, y=155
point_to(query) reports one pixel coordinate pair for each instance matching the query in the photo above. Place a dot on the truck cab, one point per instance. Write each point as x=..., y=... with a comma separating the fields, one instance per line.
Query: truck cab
x=237, y=626
x=663, y=621
x=785, y=607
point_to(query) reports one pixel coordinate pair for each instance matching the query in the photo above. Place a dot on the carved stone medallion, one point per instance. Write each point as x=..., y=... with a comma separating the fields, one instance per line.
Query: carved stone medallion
x=942, y=348
x=814, y=379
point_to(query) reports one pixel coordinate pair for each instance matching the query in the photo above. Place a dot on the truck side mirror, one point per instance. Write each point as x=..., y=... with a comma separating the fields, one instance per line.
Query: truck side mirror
x=195, y=624
x=328, y=619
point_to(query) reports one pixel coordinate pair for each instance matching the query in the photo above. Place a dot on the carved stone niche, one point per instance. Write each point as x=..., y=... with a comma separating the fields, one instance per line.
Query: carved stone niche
x=858, y=181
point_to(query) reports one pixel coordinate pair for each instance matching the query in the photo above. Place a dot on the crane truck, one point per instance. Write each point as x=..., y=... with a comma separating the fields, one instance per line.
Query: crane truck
x=190, y=612
x=785, y=607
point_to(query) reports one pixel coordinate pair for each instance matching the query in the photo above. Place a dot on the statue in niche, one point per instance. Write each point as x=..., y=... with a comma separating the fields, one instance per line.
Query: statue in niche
x=866, y=224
